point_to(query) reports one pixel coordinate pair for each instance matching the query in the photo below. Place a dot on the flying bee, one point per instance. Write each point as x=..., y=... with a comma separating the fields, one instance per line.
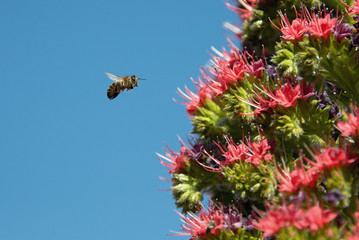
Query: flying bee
x=120, y=84
x=211, y=224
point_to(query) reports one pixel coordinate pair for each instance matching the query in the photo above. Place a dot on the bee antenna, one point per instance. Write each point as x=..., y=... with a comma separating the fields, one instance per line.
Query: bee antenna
x=141, y=78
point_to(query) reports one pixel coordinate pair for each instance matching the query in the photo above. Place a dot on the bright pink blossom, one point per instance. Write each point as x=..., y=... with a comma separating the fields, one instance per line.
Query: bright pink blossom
x=232, y=66
x=292, y=31
x=286, y=95
x=258, y=152
x=196, y=100
x=352, y=126
x=318, y=218
x=276, y=219
x=207, y=222
x=233, y=153
x=310, y=23
x=227, y=70
x=321, y=27
x=353, y=10
x=176, y=161
x=246, y=10
x=333, y=158
x=312, y=219
x=251, y=152
x=294, y=180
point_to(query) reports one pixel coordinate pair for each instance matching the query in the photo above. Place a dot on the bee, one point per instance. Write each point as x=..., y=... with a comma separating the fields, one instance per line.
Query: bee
x=120, y=84
x=211, y=224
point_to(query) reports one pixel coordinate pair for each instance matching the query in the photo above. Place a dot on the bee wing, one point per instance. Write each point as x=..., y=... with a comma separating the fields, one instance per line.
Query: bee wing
x=113, y=90
x=114, y=77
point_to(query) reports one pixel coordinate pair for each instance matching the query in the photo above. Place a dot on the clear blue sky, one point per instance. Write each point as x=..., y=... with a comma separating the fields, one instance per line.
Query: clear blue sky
x=73, y=164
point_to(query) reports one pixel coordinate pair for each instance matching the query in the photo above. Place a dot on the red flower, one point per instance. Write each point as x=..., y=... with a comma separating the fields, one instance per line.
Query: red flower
x=196, y=100
x=260, y=103
x=233, y=153
x=232, y=66
x=286, y=216
x=313, y=24
x=274, y=220
x=208, y=222
x=258, y=152
x=176, y=160
x=353, y=10
x=292, y=181
x=332, y=158
x=352, y=126
x=246, y=11
x=292, y=31
x=284, y=95
x=287, y=95
x=317, y=218
x=321, y=27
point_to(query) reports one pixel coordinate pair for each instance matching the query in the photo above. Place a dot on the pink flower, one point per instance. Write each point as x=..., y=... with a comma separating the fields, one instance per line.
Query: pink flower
x=352, y=126
x=196, y=100
x=285, y=95
x=246, y=11
x=253, y=153
x=176, y=161
x=307, y=23
x=318, y=218
x=274, y=220
x=258, y=152
x=233, y=153
x=292, y=31
x=292, y=181
x=353, y=10
x=208, y=222
x=232, y=66
x=333, y=158
x=321, y=27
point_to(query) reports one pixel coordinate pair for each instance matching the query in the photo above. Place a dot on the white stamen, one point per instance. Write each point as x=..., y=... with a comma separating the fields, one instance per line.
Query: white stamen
x=232, y=28
x=165, y=158
x=245, y=5
x=216, y=52
x=184, y=94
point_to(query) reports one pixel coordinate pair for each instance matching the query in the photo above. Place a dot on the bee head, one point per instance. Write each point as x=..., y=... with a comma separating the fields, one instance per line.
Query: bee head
x=134, y=80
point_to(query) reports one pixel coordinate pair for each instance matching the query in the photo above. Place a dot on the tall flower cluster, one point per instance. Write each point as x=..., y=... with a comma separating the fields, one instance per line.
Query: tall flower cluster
x=274, y=148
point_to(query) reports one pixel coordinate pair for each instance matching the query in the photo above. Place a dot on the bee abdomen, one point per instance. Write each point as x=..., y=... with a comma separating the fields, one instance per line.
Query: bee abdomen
x=115, y=89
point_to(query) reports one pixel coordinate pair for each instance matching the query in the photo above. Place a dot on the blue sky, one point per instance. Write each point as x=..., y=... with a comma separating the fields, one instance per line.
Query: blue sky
x=73, y=164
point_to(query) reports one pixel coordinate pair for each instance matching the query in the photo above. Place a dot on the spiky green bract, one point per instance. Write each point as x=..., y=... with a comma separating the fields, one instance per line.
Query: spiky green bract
x=297, y=58
x=339, y=65
x=188, y=187
x=250, y=182
x=335, y=61
x=212, y=121
x=304, y=124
